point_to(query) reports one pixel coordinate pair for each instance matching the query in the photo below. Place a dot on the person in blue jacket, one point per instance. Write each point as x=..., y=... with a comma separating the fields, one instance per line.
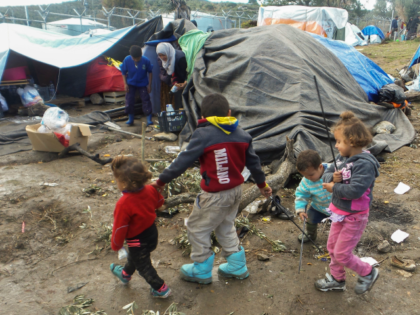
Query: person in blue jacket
x=137, y=75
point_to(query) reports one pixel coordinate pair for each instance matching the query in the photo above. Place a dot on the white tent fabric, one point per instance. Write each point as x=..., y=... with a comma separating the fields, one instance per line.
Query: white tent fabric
x=61, y=51
x=375, y=39
x=354, y=36
x=318, y=20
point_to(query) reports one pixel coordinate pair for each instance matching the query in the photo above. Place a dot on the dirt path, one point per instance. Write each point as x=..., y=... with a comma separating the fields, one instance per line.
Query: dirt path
x=59, y=247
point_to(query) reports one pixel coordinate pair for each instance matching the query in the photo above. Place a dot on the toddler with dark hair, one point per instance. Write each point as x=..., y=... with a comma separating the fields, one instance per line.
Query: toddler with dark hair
x=310, y=191
x=134, y=221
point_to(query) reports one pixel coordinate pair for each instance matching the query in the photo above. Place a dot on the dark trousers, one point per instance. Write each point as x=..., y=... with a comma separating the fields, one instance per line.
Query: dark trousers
x=314, y=216
x=139, y=249
x=130, y=100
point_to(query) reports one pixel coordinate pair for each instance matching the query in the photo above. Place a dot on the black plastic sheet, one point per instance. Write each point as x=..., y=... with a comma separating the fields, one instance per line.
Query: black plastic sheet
x=266, y=73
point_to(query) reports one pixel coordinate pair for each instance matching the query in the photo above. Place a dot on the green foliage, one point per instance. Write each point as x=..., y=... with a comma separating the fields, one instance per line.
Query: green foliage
x=129, y=4
x=249, y=24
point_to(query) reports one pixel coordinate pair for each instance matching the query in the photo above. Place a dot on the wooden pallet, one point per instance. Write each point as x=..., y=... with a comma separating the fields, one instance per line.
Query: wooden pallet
x=114, y=97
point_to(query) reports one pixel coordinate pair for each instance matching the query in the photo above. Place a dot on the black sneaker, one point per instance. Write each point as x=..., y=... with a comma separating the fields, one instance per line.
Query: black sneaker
x=330, y=284
x=366, y=283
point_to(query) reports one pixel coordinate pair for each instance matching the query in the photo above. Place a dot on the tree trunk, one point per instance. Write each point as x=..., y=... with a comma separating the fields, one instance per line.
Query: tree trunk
x=275, y=181
x=412, y=96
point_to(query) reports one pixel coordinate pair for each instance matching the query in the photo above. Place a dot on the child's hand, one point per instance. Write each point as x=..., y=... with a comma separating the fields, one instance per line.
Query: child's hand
x=328, y=186
x=126, y=87
x=337, y=177
x=266, y=191
x=149, y=89
x=157, y=187
x=303, y=215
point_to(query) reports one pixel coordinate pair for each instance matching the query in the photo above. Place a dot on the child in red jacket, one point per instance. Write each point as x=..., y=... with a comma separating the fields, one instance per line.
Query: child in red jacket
x=134, y=221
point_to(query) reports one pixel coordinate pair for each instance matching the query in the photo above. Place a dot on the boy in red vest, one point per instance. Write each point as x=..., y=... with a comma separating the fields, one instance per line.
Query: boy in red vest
x=224, y=150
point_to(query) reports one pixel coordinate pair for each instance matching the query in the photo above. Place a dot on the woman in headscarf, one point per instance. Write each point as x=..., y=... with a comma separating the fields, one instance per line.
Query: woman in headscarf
x=173, y=69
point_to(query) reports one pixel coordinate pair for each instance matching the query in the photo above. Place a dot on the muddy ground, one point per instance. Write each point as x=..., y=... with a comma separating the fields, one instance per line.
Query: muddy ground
x=61, y=245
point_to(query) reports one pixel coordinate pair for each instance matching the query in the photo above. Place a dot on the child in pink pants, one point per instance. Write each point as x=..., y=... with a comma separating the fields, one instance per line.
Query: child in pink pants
x=351, y=187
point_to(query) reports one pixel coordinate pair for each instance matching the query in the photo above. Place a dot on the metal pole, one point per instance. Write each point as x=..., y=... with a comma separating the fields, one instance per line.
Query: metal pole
x=391, y=20
x=27, y=15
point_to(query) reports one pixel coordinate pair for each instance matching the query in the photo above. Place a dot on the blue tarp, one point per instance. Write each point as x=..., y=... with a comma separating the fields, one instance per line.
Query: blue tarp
x=416, y=58
x=367, y=73
x=373, y=30
x=61, y=51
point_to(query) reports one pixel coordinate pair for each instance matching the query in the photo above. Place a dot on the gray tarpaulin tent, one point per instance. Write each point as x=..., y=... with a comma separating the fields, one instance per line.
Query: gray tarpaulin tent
x=267, y=73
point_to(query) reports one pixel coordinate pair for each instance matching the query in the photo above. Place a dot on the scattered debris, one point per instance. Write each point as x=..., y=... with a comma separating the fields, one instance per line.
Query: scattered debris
x=23, y=227
x=96, y=99
x=398, y=236
x=384, y=247
x=104, y=234
x=241, y=221
x=91, y=190
x=262, y=257
x=371, y=261
x=77, y=287
x=183, y=242
x=48, y=184
x=405, y=274
x=166, y=136
x=384, y=127
x=79, y=307
x=130, y=308
x=401, y=189
x=405, y=264
x=252, y=208
x=171, y=310
x=172, y=149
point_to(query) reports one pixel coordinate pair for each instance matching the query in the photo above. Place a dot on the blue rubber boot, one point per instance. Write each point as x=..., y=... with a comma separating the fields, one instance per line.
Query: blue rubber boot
x=198, y=272
x=130, y=120
x=149, y=120
x=235, y=266
x=117, y=270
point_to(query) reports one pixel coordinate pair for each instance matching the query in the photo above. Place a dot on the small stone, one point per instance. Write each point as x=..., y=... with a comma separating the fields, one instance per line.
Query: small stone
x=166, y=136
x=405, y=274
x=384, y=247
x=263, y=257
x=96, y=99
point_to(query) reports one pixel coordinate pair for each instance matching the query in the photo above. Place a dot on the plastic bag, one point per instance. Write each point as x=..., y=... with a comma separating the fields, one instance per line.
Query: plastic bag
x=29, y=96
x=55, y=119
x=384, y=127
x=3, y=103
x=415, y=86
x=122, y=254
x=392, y=93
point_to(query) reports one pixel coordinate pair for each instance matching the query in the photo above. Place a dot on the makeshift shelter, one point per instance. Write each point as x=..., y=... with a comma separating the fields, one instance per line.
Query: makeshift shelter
x=67, y=55
x=73, y=26
x=368, y=74
x=374, y=34
x=415, y=59
x=101, y=77
x=267, y=75
x=324, y=21
x=354, y=36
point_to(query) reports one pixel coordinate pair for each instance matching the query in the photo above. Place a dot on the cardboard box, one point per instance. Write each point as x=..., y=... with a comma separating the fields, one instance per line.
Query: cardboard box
x=48, y=142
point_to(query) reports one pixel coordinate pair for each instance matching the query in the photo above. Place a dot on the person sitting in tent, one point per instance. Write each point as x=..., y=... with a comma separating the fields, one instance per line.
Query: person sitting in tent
x=174, y=70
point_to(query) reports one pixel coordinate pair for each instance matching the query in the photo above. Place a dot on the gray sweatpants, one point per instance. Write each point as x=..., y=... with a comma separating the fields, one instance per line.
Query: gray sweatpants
x=214, y=212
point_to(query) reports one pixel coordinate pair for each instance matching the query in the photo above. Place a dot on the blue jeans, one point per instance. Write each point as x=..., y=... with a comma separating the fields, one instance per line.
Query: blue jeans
x=314, y=216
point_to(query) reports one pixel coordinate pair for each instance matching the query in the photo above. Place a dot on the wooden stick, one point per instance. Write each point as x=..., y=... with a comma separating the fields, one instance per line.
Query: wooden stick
x=143, y=136
x=76, y=147
x=129, y=133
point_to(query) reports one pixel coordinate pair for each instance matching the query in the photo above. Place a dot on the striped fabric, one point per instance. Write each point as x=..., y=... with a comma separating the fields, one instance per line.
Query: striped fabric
x=312, y=192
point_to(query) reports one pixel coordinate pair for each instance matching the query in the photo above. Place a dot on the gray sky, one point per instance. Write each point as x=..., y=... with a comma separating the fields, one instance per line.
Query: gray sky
x=4, y=3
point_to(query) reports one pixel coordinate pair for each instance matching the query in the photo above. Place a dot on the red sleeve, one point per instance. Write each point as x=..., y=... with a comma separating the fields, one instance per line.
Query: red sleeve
x=120, y=226
x=160, y=199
